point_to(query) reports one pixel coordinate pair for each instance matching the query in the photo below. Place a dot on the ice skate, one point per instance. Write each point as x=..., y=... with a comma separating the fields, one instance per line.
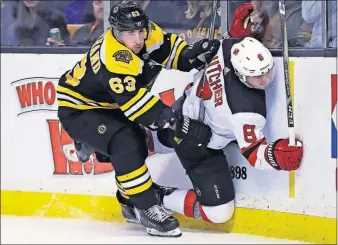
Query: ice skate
x=158, y=222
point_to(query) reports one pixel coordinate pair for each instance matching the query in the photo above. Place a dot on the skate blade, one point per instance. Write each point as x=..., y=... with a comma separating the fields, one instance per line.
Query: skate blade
x=173, y=233
x=133, y=221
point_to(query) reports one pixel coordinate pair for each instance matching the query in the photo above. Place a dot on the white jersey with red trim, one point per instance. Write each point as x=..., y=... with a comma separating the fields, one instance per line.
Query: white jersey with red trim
x=232, y=110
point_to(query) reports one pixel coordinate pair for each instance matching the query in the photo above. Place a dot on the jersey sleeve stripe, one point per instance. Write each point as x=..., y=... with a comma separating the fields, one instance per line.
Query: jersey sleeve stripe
x=250, y=152
x=134, y=100
x=69, y=98
x=68, y=92
x=109, y=105
x=61, y=96
x=165, y=61
x=178, y=52
x=72, y=93
x=138, y=105
x=172, y=42
x=75, y=106
x=144, y=109
x=71, y=104
x=173, y=52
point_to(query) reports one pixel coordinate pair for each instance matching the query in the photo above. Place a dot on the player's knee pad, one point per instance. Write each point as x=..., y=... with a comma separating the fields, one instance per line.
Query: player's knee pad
x=191, y=159
x=214, y=214
x=211, y=180
x=220, y=213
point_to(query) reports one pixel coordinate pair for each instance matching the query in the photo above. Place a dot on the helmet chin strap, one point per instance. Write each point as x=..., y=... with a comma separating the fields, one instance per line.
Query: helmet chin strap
x=117, y=35
x=243, y=79
x=247, y=84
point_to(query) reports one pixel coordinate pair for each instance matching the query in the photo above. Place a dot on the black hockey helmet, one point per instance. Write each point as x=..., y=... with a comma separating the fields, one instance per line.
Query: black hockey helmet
x=128, y=16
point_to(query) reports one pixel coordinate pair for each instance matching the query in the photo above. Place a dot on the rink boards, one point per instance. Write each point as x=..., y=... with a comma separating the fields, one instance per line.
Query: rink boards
x=38, y=176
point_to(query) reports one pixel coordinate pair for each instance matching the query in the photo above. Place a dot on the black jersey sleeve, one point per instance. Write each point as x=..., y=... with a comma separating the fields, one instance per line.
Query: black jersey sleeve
x=165, y=48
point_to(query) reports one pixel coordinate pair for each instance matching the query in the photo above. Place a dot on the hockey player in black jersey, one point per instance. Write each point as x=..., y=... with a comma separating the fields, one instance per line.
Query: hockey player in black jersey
x=104, y=98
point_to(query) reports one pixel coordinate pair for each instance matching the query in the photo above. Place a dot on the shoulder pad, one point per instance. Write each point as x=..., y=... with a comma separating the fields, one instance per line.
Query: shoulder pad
x=118, y=58
x=155, y=38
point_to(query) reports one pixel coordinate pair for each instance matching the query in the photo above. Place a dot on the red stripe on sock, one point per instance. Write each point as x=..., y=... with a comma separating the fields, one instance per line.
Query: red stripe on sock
x=189, y=202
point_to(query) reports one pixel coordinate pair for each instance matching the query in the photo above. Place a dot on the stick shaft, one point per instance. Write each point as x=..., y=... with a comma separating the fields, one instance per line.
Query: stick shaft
x=211, y=37
x=289, y=108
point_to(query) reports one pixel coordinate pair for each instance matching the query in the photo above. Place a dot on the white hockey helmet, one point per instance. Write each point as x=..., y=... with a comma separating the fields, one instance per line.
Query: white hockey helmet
x=250, y=58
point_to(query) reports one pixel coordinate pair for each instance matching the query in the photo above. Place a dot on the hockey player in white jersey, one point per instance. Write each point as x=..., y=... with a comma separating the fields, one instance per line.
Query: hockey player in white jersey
x=232, y=89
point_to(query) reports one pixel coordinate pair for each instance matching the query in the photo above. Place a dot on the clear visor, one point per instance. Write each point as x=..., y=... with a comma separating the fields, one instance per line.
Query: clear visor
x=263, y=81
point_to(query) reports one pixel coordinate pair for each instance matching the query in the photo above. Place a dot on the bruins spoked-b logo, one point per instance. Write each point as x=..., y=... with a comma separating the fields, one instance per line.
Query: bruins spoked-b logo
x=123, y=56
x=101, y=129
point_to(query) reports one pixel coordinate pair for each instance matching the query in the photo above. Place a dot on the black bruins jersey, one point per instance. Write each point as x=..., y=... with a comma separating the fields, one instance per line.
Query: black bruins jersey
x=111, y=76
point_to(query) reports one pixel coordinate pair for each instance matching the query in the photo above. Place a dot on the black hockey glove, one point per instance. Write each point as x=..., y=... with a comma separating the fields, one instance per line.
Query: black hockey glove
x=201, y=52
x=191, y=132
x=187, y=130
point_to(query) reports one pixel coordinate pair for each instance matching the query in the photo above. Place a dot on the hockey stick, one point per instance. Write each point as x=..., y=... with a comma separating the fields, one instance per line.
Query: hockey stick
x=201, y=112
x=289, y=108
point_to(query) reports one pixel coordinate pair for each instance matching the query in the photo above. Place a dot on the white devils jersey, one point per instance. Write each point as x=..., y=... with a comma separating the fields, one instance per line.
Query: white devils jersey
x=233, y=111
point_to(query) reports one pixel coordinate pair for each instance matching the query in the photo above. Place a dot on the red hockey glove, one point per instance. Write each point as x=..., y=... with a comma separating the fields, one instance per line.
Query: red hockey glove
x=281, y=156
x=239, y=28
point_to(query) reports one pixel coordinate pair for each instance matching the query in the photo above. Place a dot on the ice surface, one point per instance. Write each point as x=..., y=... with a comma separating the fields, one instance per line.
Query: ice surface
x=38, y=230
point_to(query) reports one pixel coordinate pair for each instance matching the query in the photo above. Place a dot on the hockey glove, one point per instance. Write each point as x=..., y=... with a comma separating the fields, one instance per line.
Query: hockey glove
x=192, y=132
x=246, y=24
x=201, y=52
x=239, y=28
x=187, y=130
x=281, y=156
